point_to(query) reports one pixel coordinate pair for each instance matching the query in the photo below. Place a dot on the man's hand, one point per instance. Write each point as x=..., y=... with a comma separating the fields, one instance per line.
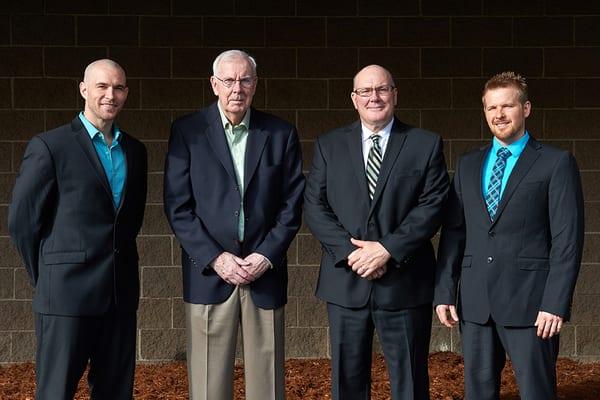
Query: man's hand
x=368, y=258
x=230, y=268
x=442, y=311
x=378, y=273
x=256, y=265
x=548, y=324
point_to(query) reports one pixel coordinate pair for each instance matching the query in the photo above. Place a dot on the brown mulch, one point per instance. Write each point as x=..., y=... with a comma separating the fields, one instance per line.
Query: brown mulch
x=309, y=379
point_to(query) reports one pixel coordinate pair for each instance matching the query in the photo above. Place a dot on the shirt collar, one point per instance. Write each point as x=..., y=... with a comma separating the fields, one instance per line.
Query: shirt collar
x=384, y=133
x=93, y=131
x=516, y=148
x=226, y=124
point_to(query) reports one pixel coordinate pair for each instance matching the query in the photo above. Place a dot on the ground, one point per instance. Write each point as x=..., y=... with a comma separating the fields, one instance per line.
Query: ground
x=309, y=380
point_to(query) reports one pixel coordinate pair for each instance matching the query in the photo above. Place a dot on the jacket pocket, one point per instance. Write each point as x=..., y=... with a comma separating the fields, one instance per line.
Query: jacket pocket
x=533, y=264
x=72, y=257
x=466, y=261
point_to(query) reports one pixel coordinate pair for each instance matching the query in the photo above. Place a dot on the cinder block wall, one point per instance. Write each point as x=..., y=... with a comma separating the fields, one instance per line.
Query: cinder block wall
x=439, y=51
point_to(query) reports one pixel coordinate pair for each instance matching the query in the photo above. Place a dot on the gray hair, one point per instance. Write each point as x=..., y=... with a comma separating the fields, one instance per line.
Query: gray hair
x=229, y=55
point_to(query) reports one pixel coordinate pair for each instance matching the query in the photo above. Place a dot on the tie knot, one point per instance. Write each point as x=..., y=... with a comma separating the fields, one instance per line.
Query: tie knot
x=375, y=138
x=503, y=153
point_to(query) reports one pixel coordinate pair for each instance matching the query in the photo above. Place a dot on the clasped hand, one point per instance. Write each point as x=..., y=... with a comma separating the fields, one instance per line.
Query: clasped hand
x=369, y=260
x=240, y=271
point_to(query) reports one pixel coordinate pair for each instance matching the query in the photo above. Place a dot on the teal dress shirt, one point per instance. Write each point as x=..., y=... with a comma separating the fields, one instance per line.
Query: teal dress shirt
x=111, y=157
x=515, y=148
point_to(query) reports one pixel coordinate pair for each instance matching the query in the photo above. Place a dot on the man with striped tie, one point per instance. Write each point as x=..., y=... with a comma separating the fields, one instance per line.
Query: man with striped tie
x=513, y=237
x=374, y=200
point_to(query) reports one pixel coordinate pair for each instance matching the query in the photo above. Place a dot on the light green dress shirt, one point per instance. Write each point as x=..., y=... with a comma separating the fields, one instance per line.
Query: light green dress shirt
x=237, y=137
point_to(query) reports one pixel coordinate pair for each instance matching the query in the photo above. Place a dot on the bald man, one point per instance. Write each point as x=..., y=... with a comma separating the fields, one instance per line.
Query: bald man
x=76, y=209
x=373, y=199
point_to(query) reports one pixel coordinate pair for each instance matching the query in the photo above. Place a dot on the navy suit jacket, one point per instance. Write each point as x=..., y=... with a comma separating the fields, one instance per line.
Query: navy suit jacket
x=405, y=213
x=202, y=202
x=526, y=260
x=80, y=252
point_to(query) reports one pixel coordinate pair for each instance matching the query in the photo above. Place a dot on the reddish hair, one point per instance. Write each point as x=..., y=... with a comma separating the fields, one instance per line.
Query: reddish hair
x=507, y=79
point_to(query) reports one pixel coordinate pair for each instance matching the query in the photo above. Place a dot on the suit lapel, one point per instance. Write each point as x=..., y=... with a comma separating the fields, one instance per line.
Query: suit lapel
x=395, y=143
x=128, y=167
x=477, y=176
x=354, y=144
x=83, y=138
x=218, y=142
x=523, y=166
x=257, y=139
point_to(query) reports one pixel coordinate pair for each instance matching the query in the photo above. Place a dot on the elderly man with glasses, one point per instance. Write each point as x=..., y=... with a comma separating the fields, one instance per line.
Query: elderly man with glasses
x=233, y=193
x=374, y=200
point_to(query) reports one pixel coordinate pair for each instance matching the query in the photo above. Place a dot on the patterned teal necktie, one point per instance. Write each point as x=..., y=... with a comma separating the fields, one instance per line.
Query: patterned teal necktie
x=493, y=193
x=373, y=164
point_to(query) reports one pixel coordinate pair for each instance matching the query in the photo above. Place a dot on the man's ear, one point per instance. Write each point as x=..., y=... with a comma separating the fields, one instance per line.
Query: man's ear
x=83, y=90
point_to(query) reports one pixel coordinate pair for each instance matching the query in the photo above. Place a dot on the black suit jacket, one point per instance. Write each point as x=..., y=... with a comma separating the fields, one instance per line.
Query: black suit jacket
x=405, y=213
x=528, y=259
x=202, y=202
x=80, y=252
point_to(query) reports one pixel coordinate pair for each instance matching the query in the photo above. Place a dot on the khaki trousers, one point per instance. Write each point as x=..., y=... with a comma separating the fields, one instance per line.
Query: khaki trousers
x=212, y=331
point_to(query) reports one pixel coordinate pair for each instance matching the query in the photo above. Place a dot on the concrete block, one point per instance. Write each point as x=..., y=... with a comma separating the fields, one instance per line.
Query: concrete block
x=23, y=346
x=309, y=250
x=17, y=315
x=21, y=61
x=161, y=282
x=171, y=31
x=312, y=312
x=154, y=250
x=350, y=31
x=296, y=31
x=116, y=30
x=154, y=314
x=70, y=62
x=306, y=342
x=7, y=283
x=234, y=31
x=162, y=344
x=155, y=222
x=302, y=281
x=481, y=31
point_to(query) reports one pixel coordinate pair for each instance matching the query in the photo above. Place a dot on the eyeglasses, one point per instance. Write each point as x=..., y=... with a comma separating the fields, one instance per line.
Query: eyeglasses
x=246, y=83
x=384, y=90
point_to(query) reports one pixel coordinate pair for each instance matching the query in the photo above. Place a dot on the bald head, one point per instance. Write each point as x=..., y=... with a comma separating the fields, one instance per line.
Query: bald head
x=371, y=70
x=104, y=63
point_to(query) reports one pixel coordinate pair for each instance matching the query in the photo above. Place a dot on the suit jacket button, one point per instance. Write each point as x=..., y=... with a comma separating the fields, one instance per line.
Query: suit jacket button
x=237, y=213
x=489, y=260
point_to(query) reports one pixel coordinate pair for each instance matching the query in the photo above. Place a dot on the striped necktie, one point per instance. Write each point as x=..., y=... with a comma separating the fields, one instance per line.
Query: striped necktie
x=493, y=193
x=373, y=164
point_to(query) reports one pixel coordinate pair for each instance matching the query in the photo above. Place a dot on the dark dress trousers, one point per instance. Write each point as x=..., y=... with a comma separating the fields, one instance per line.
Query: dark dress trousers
x=500, y=274
x=403, y=216
x=80, y=254
x=202, y=202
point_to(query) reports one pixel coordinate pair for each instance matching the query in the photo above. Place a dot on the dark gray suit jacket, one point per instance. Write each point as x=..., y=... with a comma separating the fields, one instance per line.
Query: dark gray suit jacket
x=79, y=251
x=405, y=213
x=528, y=259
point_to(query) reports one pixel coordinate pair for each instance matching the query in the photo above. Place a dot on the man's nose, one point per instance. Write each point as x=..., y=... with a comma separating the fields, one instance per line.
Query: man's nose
x=374, y=95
